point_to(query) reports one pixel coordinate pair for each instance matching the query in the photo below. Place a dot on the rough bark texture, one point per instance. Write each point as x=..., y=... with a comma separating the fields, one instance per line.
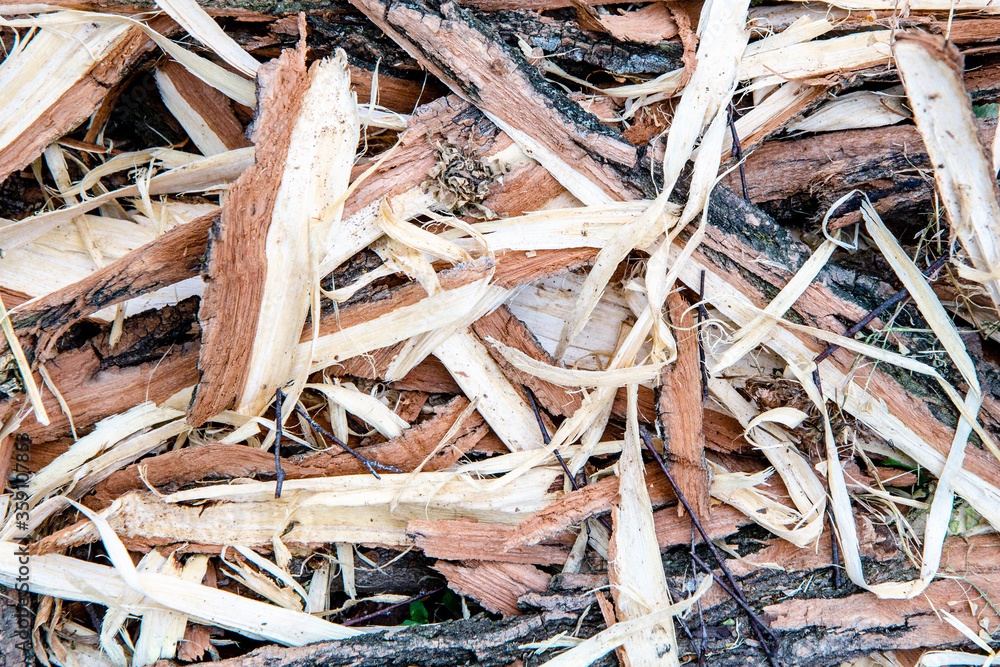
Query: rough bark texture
x=164, y=261
x=465, y=54
x=12, y=653
x=574, y=46
x=788, y=178
x=237, y=263
x=817, y=624
x=680, y=410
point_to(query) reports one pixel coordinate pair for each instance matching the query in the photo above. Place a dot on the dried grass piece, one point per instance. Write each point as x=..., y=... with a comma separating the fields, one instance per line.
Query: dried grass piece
x=357, y=509
x=855, y=110
x=804, y=488
x=23, y=368
x=575, y=378
x=401, y=320
x=230, y=83
x=819, y=58
x=752, y=334
x=932, y=71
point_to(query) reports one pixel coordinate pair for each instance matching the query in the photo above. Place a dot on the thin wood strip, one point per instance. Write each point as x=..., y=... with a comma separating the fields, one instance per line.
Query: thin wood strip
x=680, y=411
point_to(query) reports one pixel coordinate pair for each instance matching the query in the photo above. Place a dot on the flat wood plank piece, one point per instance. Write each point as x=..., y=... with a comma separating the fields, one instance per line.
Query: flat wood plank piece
x=496, y=586
x=681, y=413
x=462, y=52
x=237, y=261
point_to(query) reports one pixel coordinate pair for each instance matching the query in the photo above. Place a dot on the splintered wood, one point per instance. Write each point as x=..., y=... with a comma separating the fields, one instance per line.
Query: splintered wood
x=662, y=333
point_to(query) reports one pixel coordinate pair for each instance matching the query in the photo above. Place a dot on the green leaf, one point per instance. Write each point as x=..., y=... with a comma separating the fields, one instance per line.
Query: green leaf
x=418, y=613
x=452, y=603
x=986, y=110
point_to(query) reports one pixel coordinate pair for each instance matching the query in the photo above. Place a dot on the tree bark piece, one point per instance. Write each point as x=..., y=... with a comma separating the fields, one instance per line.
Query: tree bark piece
x=570, y=46
x=461, y=52
x=156, y=357
x=237, y=259
x=681, y=413
x=470, y=540
x=171, y=470
x=259, y=281
x=741, y=240
x=841, y=624
x=477, y=641
x=496, y=586
x=583, y=503
x=168, y=259
x=813, y=172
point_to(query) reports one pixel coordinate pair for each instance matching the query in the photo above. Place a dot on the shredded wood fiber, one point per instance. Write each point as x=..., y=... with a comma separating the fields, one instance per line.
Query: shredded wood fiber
x=549, y=332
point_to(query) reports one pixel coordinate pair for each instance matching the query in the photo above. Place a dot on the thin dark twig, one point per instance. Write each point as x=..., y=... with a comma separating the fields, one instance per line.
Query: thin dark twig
x=735, y=595
x=676, y=595
x=703, y=640
x=279, y=472
x=702, y=318
x=867, y=319
x=738, y=153
x=838, y=580
x=548, y=440
x=695, y=644
x=92, y=613
x=759, y=627
x=368, y=463
x=383, y=612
